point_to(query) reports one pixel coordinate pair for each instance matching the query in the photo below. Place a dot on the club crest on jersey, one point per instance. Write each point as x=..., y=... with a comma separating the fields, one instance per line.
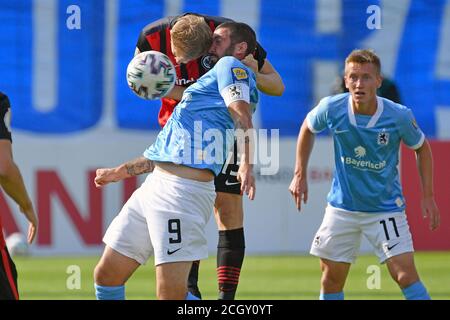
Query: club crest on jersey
x=239, y=74
x=360, y=152
x=235, y=92
x=207, y=62
x=383, y=138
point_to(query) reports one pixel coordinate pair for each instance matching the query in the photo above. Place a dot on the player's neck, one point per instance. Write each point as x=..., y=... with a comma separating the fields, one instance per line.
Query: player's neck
x=368, y=108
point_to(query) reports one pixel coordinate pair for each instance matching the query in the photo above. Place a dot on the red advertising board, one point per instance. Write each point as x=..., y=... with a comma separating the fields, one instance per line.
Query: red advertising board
x=423, y=238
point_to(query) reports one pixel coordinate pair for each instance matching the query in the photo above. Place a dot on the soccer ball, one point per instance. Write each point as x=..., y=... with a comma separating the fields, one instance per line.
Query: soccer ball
x=17, y=244
x=151, y=75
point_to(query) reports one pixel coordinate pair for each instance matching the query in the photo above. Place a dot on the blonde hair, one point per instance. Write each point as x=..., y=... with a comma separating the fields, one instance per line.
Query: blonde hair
x=364, y=56
x=191, y=35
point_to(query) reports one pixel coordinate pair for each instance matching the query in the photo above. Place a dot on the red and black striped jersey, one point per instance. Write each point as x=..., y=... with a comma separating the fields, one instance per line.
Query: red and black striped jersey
x=156, y=36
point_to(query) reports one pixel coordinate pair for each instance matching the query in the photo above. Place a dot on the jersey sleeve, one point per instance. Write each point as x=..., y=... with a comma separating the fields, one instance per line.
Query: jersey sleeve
x=410, y=132
x=317, y=117
x=142, y=43
x=152, y=36
x=5, y=118
x=233, y=80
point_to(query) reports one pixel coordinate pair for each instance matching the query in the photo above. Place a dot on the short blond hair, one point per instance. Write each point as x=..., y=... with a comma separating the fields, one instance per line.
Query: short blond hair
x=364, y=56
x=192, y=35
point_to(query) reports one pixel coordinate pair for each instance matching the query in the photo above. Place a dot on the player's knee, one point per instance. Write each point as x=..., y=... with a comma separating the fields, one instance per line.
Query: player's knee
x=104, y=276
x=332, y=283
x=230, y=216
x=405, y=279
x=100, y=275
x=227, y=202
x=226, y=213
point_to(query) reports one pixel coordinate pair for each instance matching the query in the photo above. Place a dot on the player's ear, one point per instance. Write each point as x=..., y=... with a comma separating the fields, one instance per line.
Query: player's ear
x=242, y=48
x=345, y=82
x=379, y=80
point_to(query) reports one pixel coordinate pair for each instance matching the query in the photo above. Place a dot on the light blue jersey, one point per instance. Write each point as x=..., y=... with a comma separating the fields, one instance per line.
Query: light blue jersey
x=200, y=132
x=366, y=152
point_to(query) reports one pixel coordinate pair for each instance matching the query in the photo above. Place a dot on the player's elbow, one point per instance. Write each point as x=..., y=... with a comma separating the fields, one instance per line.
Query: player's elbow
x=276, y=89
x=279, y=89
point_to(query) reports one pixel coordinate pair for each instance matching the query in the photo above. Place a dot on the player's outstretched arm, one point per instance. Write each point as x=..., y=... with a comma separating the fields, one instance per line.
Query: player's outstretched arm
x=299, y=184
x=12, y=182
x=268, y=79
x=425, y=166
x=240, y=112
x=129, y=169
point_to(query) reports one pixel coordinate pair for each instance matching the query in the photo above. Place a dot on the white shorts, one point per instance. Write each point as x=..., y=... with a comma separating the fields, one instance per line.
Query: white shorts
x=339, y=236
x=166, y=216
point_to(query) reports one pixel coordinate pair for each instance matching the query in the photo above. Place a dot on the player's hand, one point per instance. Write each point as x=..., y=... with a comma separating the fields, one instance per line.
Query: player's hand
x=33, y=222
x=105, y=176
x=299, y=190
x=430, y=210
x=250, y=62
x=247, y=180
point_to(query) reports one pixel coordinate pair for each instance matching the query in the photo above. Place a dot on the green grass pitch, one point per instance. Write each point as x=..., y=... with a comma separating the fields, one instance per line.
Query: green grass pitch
x=262, y=277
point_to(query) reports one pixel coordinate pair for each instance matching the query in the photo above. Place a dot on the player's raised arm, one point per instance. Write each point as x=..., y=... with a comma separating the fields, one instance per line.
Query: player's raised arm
x=299, y=184
x=267, y=78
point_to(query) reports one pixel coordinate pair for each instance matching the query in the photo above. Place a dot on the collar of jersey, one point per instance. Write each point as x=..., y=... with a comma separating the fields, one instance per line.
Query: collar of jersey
x=373, y=120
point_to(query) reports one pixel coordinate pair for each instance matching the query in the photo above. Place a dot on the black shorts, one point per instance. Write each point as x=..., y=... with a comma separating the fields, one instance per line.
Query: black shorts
x=8, y=276
x=227, y=181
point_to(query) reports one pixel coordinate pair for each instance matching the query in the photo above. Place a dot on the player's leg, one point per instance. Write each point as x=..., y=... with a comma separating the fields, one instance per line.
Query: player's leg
x=193, y=279
x=177, y=229
x=171, y=280
x=111, y=273
x=128, y=246
x=404, y=272
x=333, y=279
x=336, y=243
x=229, y=215
x=229, y=211
x=8, y=276
x=392, y=240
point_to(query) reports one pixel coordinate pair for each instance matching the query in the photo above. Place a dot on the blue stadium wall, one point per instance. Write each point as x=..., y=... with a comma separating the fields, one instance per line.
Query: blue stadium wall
x=287, y=29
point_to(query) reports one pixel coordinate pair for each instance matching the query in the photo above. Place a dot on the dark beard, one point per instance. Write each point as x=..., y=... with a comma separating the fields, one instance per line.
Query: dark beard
x=228, y=52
